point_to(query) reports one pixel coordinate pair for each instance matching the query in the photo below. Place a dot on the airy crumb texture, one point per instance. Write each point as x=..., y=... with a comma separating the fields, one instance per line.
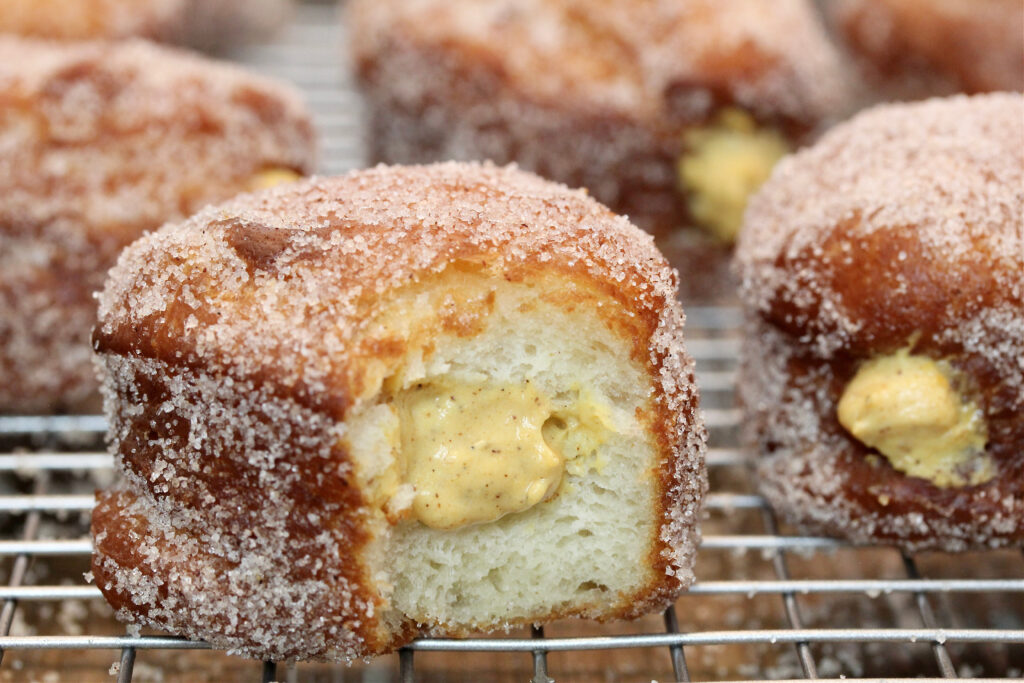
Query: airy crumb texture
x=251, y=354
x=903, y=228
x=196, y=23
x=593, y=94
x=98, y=143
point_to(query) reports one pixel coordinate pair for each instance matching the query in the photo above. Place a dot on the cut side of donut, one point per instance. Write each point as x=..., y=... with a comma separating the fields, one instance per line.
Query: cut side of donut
x=538, y=366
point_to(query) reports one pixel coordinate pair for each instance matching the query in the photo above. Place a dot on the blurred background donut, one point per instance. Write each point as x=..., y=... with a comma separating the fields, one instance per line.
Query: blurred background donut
x=669, y=111
x=99, y=143
x=204, y=24
x=883, y=280
x=910, y=49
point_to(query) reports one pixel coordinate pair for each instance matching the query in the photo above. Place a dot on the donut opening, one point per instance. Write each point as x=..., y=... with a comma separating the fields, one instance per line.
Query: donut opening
x=582, y=524
x=908, y=408
x=725, y=162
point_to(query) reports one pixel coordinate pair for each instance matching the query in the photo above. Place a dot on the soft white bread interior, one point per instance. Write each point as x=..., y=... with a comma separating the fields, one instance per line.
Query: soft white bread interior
x=590, y=549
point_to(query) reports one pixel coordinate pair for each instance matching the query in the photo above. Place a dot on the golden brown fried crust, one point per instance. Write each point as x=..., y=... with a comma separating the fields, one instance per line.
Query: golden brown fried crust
x=896, y=286
x=206, y=489
x=104, y=143
x=602, y=105
x=235, y=345
x=902, y=229
x=117, y=532
x=920, y=48
x=189, y=563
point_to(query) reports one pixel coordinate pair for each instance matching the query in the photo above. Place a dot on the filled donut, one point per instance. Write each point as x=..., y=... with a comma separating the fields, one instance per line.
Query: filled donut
x=206, y=24
x=99, y=143
x=883, y=278
x=432, y=400
x=669, y=111
x=910, y=49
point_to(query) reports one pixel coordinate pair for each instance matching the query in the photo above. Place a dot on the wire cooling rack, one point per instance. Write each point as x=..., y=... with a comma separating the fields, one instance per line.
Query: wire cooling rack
x=767, y=604
x=789, y=621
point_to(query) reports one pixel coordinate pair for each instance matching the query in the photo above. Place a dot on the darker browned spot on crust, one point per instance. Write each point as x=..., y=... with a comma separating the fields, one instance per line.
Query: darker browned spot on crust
x=270, y=110
x=89, y=72
x=258, y=245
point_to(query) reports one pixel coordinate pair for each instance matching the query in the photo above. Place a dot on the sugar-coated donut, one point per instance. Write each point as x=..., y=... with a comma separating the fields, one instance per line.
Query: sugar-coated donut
x=407, y=400
x=911, y=49
x=883, y=276
x=669, y=111
x=98, y=143
x=198, y=23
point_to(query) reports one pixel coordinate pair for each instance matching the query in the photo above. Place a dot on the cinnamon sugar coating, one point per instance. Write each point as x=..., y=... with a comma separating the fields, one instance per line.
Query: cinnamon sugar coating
x=911, y=49
x=98, y=143
x=593, y=94
x=236, y=352
x=206, y=24
x=903, y=228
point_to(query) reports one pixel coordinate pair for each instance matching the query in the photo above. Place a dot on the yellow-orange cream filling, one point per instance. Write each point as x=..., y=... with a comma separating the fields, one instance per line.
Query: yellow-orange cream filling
x=908, y=408
x=475, y=452
x=725, y=162
x=272, y=177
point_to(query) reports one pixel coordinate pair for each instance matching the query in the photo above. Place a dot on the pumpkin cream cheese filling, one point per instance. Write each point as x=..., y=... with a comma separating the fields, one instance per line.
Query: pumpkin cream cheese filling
x=908, y=408
x=473, y=452
x=726, y=161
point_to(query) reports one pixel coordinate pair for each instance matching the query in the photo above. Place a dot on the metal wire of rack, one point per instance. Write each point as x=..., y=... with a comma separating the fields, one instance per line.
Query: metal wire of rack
x=48, y=464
